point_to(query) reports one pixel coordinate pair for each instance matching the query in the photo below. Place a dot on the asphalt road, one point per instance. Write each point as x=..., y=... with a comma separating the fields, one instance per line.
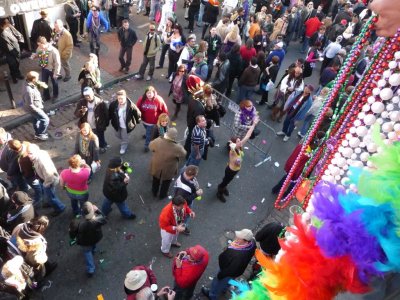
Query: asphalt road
x=129, y=243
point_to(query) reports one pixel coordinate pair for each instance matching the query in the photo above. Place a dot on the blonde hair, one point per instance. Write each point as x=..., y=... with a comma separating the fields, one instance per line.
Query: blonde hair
x=161, y=118
x=75, y=161
x=233, y=34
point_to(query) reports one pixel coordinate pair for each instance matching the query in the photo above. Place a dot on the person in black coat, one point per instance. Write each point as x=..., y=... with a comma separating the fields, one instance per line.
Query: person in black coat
x=235, y=69
x=114, y=189
x=132, y=118
x=20, y=211
x=40, y=27
x=211, y=12
x=127, y=38
x=232, y=262
x=261, y=41
x=319, y=36
x=269, y=74
x=100, y=115
x=195, y=108
x=87, y=233
x=5, y=204
x=214, y=46
x=268, y=238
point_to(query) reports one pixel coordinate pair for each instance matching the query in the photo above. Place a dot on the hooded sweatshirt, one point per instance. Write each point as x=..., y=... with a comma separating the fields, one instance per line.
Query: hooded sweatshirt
x=151, y=109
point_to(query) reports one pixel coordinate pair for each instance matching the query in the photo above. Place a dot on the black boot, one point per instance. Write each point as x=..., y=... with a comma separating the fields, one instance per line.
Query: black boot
x=226, y=192
x=147, y=11
x=220, y=195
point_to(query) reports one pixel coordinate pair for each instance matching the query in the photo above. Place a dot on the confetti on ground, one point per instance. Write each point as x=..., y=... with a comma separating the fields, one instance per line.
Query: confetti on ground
x=100, y=297
x=263, y=199
x=47, y=286
x=253, y=207
x=211, y=278
x=246, y=148
x=216, y=145
x=276, y=164
x=250, y=212
x=140, y=41
x=264, y=142
x=237, y=176
x=142, y=221
x=101, y=260
x=173, y=124
x=129, y=236
x=162, y=75
x=209, y=185
x=80, y=291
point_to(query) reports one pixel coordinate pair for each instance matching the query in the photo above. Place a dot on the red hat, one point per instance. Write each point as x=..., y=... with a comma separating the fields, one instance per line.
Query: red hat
x=196, y=252
x=214, y=2
x=194, y=84
x=343, y=22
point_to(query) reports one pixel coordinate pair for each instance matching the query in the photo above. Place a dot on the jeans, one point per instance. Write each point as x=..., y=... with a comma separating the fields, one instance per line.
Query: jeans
x=164, y=50
x=183, y=293
x=19, y=181
x=125, y=63
x=149, y=130
x=123, y=208
x=40, y=122
x=201, y=13
x=77, y=202
x=245, y=92
x=102, y=139
x=88, y=253
x=218, y=286
x=50, y=193
x=288, y=125
x=94, y=41
x=37, y=188
x=46, y=74
x=140, y=5
x=154, y=7
x=306, y=124
x=306, y=44
x=192, y=157
x=143, y=66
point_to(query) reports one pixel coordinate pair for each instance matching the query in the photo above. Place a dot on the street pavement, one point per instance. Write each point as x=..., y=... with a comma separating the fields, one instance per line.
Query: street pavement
x=129, y=243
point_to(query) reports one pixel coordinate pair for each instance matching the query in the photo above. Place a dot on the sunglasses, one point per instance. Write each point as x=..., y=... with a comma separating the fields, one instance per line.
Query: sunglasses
x=181, y=71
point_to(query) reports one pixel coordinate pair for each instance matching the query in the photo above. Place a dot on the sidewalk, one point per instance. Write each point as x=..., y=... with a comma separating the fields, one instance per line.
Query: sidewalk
x=68, y=91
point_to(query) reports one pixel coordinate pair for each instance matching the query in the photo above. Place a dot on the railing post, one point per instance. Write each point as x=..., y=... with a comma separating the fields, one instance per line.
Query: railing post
x=8, y=87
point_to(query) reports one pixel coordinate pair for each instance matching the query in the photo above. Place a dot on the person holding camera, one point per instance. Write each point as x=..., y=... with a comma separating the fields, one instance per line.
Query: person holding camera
x=171, y=221
x=87, y=233
x=114, y=189
x=189, y=265
x=138, y=279
x=75, y=182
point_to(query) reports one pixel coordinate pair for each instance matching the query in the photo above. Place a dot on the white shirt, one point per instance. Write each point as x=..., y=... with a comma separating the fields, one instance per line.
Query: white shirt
x=332, y=49
x=122, y=116
x=90, y=116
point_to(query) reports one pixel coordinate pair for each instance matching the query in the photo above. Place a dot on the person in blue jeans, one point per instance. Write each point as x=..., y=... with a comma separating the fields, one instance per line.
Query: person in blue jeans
x=48, y=176
x=198, y=140
x=232, y=263
x=87, y=233
x=33, y=104
x=114, y=189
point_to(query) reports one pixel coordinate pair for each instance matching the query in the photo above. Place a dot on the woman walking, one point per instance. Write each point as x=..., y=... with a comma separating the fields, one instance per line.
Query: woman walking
x=176, y=43
x=87, y=146
x=179, y=89
x=161, y=127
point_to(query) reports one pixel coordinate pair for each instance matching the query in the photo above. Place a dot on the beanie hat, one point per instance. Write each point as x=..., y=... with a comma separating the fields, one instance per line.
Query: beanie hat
x=88, y=210
x=171, y=134
x=115, y=162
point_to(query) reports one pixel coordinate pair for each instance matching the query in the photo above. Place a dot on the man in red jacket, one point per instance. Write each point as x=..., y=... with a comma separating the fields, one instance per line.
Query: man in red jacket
x=187, y=269
x=171, y=220
x=312, y=25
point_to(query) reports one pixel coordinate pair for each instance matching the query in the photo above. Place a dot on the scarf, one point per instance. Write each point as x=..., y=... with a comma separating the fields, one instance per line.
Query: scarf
x=179, y=215
x=162, y=130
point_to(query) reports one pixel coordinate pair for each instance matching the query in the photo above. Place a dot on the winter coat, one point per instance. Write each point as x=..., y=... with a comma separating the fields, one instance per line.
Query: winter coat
x=114, y=186
x=221, y=78
x=32, y=98
x=130, y=41
x=155, y=44
x=93, y=149
x=40, y=27
x=151, y=279
x=305, y=106
x=65, y=45
x=165, y=160
x=87, y=232
x=133, y=115
x=167, y=220
x=210, y=15
x=45, y=169
x=22, y=214
x=101, y=118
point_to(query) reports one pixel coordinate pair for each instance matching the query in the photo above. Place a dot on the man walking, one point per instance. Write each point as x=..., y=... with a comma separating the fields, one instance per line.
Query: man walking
x=93, y=110
x=94, y=22
x=127, y=38
x=198, y=141
x=124, y=116
x=152, y=44
x=64, y=44
x=33, y=104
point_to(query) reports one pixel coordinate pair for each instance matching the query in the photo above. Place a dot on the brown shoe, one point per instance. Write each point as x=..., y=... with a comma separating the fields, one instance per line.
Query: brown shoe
x=168, y=255
x=176, y=245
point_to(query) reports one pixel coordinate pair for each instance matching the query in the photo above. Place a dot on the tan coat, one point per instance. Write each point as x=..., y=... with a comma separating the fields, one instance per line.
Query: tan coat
x=164, y=163
x=65, y=45
x=278, y=25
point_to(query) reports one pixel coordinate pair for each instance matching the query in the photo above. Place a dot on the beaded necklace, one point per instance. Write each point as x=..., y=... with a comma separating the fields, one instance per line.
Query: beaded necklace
x=43, y=58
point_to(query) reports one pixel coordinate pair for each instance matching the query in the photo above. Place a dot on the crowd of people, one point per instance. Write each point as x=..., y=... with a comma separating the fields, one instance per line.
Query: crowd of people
x=248, y=43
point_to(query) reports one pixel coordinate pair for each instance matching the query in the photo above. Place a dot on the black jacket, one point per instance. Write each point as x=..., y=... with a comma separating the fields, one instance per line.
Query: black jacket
x=130, y=41
x=87, y=232
x=268, y=238
x=210, y=13
x=133, y=115
x=9, y=162
x=40, y=27
x=100, y=113
x=195, y=108
x=314, y=38
x=214, y=45
x=233, y=262
x=19, y=215
x=114, y=187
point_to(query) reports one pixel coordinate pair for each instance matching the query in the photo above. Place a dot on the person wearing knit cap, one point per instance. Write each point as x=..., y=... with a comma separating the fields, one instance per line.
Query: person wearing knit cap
x=87, y=233
x=188, y=267
x=232, y=262
x=138, y=279
x=165, y=159
x=21, y=210
x=114, y=189
x=268, y=238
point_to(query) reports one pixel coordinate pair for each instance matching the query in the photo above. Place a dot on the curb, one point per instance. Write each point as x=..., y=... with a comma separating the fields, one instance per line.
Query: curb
x=11, y=124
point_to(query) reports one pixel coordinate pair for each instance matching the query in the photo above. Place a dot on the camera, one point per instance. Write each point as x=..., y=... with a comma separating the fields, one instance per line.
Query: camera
x=180, y=256
x=126, y=167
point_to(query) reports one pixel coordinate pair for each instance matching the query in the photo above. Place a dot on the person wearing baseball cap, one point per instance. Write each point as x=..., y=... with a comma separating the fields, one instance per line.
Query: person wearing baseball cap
x=232, y=262
x=188, y=267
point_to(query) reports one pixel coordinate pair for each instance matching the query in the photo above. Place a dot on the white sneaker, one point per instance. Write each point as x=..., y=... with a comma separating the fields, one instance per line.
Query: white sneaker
x=138, y=76
x=148, y=78
x=280, y=133
x=286, y=138
x=122, y=151
x=300, y=135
